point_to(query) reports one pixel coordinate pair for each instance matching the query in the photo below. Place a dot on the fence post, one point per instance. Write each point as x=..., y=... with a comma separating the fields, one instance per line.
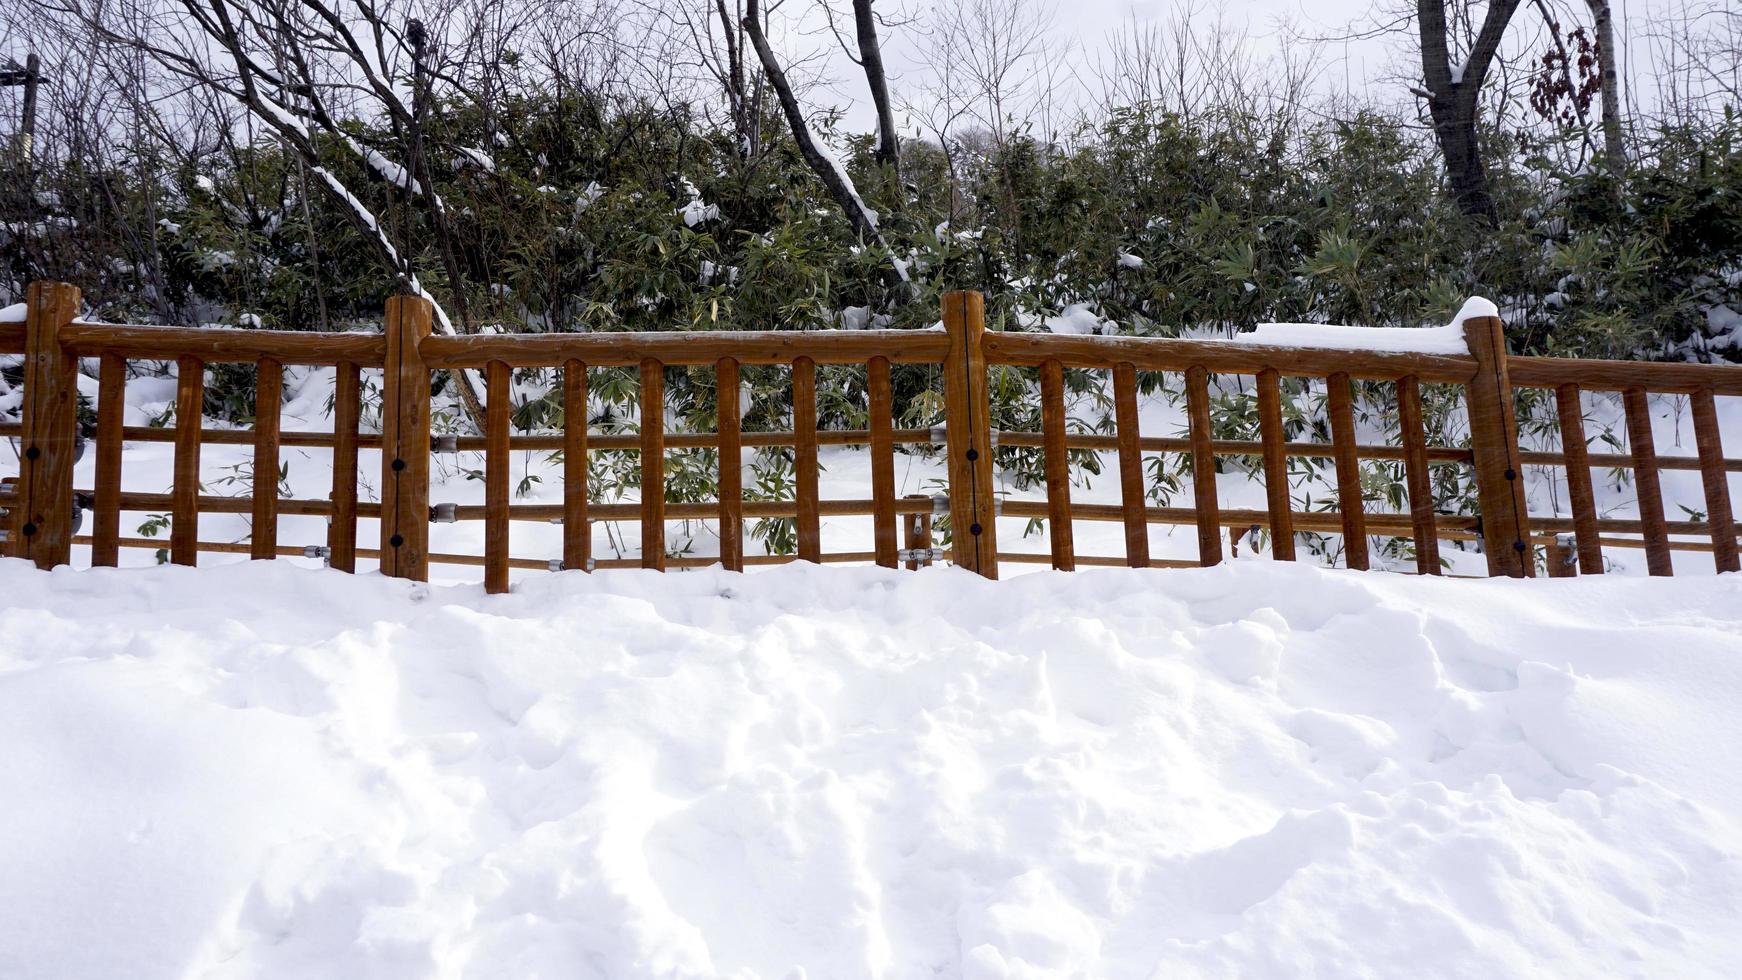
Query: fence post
x=43, y=522
x=405, y=441
x=968, y=434
x=1494, y=444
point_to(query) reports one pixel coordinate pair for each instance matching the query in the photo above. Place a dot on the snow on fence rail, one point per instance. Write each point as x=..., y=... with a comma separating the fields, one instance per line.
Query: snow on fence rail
x=41, y=502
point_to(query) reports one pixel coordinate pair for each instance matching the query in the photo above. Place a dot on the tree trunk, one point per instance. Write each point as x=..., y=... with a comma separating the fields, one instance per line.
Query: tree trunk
x=1608, y=56
x=1453, y=98
x=871, y=56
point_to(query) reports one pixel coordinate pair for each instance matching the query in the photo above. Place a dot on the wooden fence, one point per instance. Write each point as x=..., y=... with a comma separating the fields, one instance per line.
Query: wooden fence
x=40, y=504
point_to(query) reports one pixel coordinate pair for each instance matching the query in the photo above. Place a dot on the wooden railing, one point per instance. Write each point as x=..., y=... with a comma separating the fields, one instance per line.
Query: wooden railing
x=40, y=504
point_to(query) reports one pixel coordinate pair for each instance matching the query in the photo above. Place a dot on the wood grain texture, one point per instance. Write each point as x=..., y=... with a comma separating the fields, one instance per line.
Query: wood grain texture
x=680, y=348
x=916, y=528
x=1218, y=357
x=1494, y=440
x=1204, y=496
x=184, y=517
x=405, y=447
x=1710, y=440
x=221, y=346
x=1340, y=406
x=268, y=396
x=347, y=409
x=731, y=426
x=967, y=412
x=1645, y=481
x=50, y=429
x=1596, y=375
x=652, y=464
x=805, y=475
x=498, y=412
x=1272, y=443
x=1415, y=472
x=1058, y=466
x=1581, y=494
x=881, y=422
x=1127, y=429
x=106, y=499
x=577, y=523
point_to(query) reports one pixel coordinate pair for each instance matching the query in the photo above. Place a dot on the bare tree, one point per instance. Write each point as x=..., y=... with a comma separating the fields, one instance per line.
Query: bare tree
x=1453, y=96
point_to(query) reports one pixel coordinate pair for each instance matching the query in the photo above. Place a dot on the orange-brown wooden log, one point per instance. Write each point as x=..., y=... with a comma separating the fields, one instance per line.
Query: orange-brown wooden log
x=106, y=501
x=882, y=421
x=1710, y=441
x=731, y=424
x=1580, y=493
x=498, y=409
x=218, y=346
x=1415, y=470
x=268, y=396
x=967, y=412
x=184, y=517
x=1494, y=440
x=804, y=425
x=347, y=409
x=1341, y=408
x=1219, y=357
x=1203, y=466
x=1132, y=498
x=405, y=447
x=1058, y=466
x=687, y=348
x=577, y=525
x=44, y=522
x=1276, y=489
x=652, y=464
x=1645, y=482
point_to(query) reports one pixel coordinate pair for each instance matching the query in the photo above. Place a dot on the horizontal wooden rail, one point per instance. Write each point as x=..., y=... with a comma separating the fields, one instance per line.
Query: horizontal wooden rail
x=1656, y=377
x=685, y=348
x=1220, y=357
x=245, y=437
x=12, y=338
x=222, y=345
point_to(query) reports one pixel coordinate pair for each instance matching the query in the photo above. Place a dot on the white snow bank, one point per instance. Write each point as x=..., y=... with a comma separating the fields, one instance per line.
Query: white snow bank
x=16, y=313
x=1252, y=770
x=1448, y=339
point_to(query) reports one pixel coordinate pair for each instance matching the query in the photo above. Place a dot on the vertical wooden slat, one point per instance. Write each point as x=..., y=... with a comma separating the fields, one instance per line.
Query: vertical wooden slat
x=1058, y=466
x=1341, y=409
x=347, y=407
x=882, y=460
x=111, y=416
x=44, y=518
x=1579, y=489
x=498, y=407
x=731, y=425
x=1650, y=493
x=1275, y=465
x=804, y=426
x=405, y=448
x=1717, y=482
x=1204, y=495
x=268, y=394
x=967, y=410
x=1132, y=499
x=652, y=464
x=190, y=398
x=916, y=533
x=577, y=526
x=1416, y=475
x=1494, y=443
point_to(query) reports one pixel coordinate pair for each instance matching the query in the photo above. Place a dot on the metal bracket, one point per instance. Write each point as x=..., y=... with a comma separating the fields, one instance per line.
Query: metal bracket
x=919, y=554
x=939, y=435
x=444, y=444
x=320, y=551
x=444, y=513
x=556, y=565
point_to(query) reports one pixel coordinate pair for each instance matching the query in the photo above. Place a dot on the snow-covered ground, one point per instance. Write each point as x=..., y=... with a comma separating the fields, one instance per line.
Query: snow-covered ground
x=260, y=770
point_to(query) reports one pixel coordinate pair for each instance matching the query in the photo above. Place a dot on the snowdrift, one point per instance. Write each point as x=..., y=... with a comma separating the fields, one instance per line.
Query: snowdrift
x=1256, y=770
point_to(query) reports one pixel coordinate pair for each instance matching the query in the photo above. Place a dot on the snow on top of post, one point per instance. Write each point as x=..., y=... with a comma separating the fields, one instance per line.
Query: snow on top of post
x=1448, y=339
